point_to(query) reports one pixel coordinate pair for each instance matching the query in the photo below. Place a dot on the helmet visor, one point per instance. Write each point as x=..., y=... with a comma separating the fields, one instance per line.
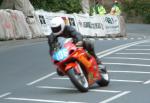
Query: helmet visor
x=56, y=29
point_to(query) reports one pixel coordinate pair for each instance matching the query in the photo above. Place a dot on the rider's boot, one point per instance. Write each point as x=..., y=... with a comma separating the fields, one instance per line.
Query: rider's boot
x=98, y=61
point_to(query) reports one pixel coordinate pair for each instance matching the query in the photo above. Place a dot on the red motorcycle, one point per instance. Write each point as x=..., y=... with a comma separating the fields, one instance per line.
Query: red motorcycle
x=78, y=65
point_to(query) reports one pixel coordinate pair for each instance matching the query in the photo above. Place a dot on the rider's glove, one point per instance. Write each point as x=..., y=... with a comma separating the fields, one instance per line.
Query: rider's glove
x=79, y=44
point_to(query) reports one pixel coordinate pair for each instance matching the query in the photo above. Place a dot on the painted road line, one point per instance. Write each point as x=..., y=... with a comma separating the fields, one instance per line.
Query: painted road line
x=109, y=39
x=107, y=52
x=134, y=72
x=126, y=58
x=132, y=38
x=61, y=78
x=40, y=79
x=127, y=64
x=134, y=53
x=40, y=100
x=118, y=48
x=115, y=97
x=147, y=82
x=65, y=88
x=143, y=45
x=112, y=80
x=111, y=49
x=4, y=95
x=138, y=49
x=125, y=38
x=127, y=81
x=118, y=39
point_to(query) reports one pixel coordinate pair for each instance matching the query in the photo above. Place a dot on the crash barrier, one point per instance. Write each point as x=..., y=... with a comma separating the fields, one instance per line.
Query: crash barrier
x=6, y=25
x=89, y=26
x=14, y=25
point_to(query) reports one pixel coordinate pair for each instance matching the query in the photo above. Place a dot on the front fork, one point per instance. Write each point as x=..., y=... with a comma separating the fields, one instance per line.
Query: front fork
x=74, y=65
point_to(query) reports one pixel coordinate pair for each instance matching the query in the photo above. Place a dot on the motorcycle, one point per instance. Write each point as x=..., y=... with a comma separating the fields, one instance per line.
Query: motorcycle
x=78, y=65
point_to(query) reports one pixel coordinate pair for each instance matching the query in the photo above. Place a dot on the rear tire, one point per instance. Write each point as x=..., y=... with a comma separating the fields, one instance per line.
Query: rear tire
x=104, y=76
x=79, y=80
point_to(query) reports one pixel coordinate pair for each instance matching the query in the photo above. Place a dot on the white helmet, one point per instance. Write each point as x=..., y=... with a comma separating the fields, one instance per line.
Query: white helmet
x=57, y=25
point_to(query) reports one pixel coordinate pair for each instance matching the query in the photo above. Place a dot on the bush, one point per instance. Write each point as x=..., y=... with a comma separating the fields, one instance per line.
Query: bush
x=1, y=1
x=70, y=6
x=138, y=8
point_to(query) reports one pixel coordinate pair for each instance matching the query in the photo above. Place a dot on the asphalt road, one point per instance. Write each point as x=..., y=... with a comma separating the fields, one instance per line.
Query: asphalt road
x=28, y=76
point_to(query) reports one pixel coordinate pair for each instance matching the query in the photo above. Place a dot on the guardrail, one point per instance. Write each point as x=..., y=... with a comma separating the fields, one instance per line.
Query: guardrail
x=14, y=24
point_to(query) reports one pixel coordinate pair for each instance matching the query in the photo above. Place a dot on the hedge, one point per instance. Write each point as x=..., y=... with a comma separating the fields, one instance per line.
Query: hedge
x=138, y=8
x=133, y=8
x=70, y=6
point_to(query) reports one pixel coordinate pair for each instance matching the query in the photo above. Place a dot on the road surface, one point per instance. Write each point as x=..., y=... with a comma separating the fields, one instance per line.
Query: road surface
x=28, y=76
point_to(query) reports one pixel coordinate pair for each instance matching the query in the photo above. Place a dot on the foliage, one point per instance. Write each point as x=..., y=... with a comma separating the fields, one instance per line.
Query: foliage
x=138, y=8
x=133, y=8
x=70, y=6
x=1, y=1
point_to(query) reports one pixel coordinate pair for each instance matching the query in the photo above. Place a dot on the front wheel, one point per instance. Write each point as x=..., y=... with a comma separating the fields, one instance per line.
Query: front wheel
x=104, y=76
x=79, y=80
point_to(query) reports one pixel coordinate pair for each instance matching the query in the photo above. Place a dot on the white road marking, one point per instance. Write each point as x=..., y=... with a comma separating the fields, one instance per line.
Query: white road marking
x=131, y=38
x=42, y=78
x=127, y=64
x=129, y=81
x=125, y=38
x=109, y=38
x=102, y=54
x=138, y=49
x=115, y=97
x=108, y=50
x=40, y=100
x=4, y=95
x=65, y=88
x=61, y=78
x=112, y=80
x=134, y=72
x=143, y=45
x=126, y=58
x=134, y=53
x=118, y=48
x=147, y=82
x=118, y=39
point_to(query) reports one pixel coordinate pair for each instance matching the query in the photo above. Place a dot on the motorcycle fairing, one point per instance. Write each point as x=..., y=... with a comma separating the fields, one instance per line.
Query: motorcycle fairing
x=61, y=54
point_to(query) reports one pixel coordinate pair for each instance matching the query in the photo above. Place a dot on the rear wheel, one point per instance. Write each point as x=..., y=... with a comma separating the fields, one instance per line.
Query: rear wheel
x=104, y=76
x=79, y=80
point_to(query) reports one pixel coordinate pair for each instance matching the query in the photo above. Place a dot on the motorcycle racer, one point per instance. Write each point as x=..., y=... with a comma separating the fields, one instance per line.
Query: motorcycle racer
x=59, y=29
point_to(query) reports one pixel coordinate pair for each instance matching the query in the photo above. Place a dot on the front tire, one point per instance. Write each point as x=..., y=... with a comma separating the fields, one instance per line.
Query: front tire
x=79, y=80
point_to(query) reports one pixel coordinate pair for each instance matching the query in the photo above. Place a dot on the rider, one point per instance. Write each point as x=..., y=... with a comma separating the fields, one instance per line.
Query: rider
x=59, y=29
x=115, y=10
x=98, y=8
